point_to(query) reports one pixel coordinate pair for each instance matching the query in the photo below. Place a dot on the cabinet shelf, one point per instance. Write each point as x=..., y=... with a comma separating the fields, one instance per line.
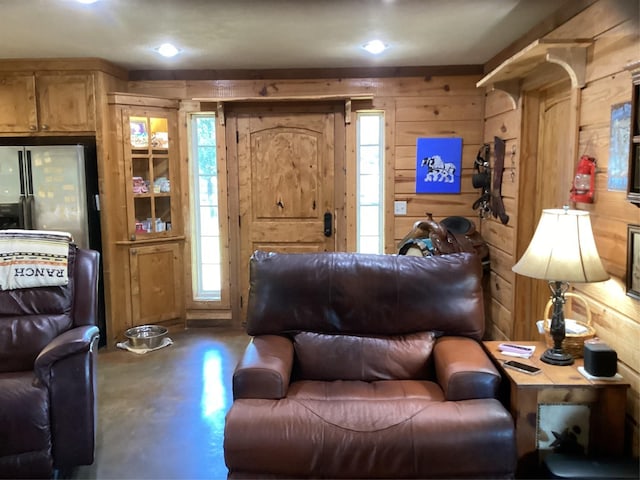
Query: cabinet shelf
x=152, y=195
x=155, y=240
x=569, y=54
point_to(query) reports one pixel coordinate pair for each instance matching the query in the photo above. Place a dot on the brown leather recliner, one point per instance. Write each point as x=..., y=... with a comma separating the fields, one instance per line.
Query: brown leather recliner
x=367, y=366
x=48, y=348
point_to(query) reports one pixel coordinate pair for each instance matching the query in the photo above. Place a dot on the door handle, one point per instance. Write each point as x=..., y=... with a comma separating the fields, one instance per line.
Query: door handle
x=328, y=224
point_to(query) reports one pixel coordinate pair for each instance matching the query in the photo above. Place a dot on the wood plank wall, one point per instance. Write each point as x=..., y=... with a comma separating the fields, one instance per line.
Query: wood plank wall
x=613, y=27
x=451, y=106
x=438, y=106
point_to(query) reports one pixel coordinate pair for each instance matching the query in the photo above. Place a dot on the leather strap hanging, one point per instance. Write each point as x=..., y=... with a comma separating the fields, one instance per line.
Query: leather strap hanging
x=481, y=178
x=497, y=206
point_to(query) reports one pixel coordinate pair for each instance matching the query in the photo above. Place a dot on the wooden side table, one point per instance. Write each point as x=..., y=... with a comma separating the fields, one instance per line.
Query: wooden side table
x=559, y=385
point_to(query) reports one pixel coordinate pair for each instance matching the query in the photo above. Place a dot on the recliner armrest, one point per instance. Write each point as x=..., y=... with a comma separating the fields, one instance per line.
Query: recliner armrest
x=463, y=369
x=76, y=340
x=264, y=371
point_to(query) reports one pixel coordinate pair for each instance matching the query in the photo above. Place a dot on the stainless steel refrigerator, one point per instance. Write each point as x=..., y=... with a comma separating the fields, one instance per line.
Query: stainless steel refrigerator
x=53, y=186
x=45, y=188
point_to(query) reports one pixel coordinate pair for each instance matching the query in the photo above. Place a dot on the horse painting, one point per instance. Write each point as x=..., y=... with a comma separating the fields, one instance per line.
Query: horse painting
x=438, y=170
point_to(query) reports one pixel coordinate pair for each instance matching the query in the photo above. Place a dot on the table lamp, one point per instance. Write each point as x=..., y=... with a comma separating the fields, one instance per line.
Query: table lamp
x=562, y=250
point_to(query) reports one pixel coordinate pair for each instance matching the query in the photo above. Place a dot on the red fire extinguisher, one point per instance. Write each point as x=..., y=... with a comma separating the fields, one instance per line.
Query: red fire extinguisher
x=585, y=179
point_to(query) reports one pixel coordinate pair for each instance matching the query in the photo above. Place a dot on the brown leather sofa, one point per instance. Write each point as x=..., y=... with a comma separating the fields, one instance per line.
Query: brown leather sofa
x=48, y=348
x=367, y=366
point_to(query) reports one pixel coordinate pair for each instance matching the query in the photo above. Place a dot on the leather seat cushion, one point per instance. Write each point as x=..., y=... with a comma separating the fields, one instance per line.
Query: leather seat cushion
x=331, y=430
x=24, y=416
x=360, y=357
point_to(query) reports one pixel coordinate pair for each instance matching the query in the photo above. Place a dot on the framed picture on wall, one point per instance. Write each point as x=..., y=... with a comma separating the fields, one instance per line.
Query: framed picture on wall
x=618, y=169
x=633, y=261
x=438, y=165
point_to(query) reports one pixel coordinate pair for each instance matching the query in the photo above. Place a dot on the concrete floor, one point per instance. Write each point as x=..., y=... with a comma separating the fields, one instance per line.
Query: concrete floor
x=161, y=415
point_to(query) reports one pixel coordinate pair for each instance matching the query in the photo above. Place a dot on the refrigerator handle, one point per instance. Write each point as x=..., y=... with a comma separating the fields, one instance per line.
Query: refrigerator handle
x=28, y=203
x=29, y=177
x=21, y=170
x=22, y=212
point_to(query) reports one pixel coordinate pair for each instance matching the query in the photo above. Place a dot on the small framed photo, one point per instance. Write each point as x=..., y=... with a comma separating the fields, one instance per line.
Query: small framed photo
x=633, y=261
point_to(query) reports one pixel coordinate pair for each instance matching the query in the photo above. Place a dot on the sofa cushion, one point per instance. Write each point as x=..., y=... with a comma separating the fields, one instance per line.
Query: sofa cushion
x=303, y=438
x=357, y=357
x=365, y=294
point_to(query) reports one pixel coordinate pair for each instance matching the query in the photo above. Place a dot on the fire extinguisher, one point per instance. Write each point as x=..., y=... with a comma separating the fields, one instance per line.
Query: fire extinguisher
x=585, y=179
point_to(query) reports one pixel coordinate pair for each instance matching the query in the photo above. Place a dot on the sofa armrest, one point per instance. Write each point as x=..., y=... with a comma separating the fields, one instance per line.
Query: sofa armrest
x=264, y=370
x=67, y=367
x=76, y=340
x=463, y=369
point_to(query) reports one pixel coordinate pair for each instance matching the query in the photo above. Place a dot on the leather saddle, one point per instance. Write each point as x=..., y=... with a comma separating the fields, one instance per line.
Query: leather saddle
x=452, y=235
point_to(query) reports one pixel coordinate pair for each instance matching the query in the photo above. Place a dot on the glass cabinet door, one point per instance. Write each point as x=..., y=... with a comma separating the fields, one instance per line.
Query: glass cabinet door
x=151, y=174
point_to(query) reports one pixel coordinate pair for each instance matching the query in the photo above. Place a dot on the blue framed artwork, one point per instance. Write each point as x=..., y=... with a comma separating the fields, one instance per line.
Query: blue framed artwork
x=618, y=168
x=438, y=165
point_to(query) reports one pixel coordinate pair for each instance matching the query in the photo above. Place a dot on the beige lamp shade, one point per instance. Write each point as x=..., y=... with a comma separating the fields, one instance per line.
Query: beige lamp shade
x=562, y=249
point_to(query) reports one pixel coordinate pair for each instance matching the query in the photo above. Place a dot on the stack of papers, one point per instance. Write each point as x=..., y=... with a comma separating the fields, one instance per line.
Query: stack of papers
x=515, y=350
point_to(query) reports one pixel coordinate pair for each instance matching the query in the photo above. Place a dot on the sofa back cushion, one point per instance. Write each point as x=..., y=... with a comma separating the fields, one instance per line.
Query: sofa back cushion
x=31, y=317
x=365, y=294
x=330, y=357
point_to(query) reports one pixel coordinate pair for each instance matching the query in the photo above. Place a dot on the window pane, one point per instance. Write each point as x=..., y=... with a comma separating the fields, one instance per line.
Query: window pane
x=206, y=228
x=370, y=129
x=207, y=161
x=369, y=160
x=206, y=131
x=369, y=221
x=209, y=251
x=369, y=190
x=209, y=221
x=211, y=277
x=369, y=245
x=370, y=151
x=208, y=190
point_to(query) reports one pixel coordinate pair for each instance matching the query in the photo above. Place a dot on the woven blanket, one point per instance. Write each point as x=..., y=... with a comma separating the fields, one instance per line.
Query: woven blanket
x=33, y=258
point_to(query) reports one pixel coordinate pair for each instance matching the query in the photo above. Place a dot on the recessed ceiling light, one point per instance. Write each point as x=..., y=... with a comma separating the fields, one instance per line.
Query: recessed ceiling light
x=167, y=50
x=375, y=46
x=87, y=2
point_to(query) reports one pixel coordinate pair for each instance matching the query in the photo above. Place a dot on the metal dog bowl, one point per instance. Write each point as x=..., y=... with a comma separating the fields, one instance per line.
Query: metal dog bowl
x=146, y=336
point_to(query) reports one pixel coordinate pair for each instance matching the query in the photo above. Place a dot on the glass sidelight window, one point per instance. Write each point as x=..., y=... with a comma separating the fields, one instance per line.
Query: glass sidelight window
x=207, y=272
x=370, y=185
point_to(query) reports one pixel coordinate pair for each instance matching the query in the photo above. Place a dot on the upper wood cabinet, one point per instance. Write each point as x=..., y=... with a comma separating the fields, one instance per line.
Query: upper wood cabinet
x=43, y=102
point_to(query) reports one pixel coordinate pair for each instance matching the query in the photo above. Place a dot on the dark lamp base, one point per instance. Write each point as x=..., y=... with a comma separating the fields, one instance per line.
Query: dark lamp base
x=556, y=357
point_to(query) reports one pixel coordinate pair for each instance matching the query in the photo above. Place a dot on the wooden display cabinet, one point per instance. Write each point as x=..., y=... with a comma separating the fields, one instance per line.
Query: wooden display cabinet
x=151, y=169
x=47, y=102
x=147, y=228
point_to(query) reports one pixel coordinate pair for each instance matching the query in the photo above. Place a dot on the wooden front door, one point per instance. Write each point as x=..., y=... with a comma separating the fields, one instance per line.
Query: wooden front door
x=286, y=157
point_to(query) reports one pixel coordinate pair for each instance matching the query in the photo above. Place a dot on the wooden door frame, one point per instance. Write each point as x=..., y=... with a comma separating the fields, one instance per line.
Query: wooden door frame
x=232, y=111
x=524, y=315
